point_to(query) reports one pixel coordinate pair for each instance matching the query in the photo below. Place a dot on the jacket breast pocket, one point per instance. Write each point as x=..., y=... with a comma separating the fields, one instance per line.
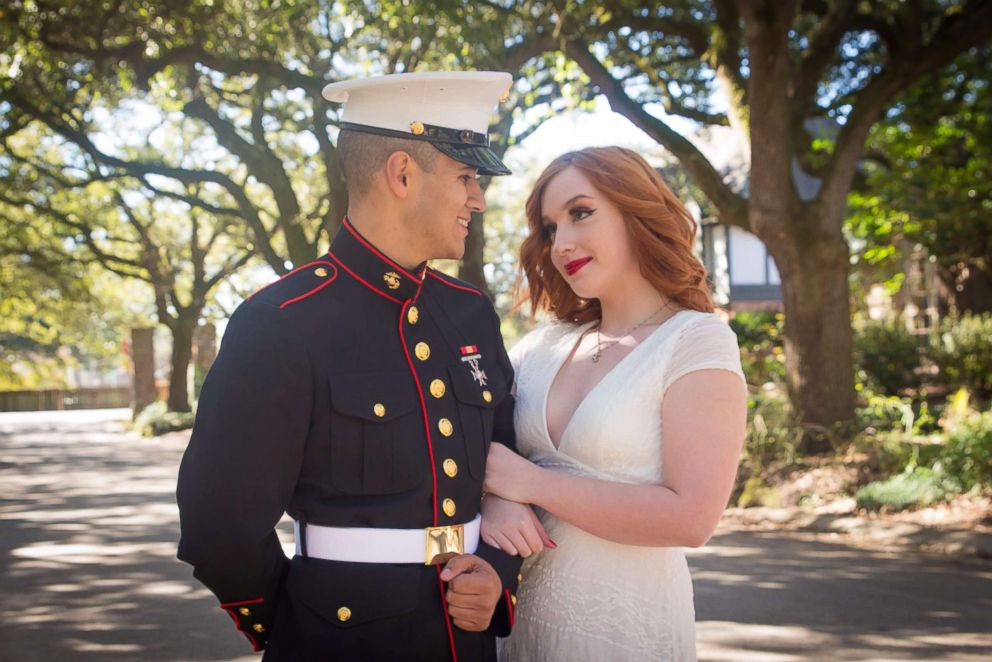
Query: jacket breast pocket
x=476, y=409
x=376, y=434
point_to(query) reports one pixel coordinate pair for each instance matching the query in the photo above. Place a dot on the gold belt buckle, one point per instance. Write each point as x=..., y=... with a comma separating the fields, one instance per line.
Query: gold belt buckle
x=443, y=542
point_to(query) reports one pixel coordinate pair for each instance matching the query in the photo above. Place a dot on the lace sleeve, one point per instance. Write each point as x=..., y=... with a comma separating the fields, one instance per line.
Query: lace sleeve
x=706, y=345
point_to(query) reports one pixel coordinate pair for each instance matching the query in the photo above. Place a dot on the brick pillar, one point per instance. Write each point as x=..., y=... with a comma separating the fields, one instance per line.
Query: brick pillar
x=205, y=351
x=143, y=369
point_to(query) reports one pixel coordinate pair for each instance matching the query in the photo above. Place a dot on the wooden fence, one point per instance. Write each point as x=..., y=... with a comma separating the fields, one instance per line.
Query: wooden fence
x=84, y=398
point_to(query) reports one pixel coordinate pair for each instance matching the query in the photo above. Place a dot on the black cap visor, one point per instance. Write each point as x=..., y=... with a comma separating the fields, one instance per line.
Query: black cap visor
x=476, y=156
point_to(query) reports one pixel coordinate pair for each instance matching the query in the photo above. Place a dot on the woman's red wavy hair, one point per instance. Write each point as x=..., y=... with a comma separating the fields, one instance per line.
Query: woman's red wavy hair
x=661, y=229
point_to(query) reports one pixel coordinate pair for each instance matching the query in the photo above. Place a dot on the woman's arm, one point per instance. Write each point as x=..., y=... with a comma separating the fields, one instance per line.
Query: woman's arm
x=704, y=415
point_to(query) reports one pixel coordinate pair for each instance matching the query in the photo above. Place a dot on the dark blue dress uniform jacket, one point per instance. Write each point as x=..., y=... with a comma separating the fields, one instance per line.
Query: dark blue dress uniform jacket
x=350, y=393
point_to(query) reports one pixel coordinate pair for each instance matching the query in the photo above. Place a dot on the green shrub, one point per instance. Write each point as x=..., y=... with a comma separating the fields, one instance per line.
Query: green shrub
x=759, y=335
x=757, y=328
x=771, y=442
x=771, y=434
x=962, y=349
x=883, y=413
x=155, y=419
x=967, y=455
x=917, y=486
x=887, y=355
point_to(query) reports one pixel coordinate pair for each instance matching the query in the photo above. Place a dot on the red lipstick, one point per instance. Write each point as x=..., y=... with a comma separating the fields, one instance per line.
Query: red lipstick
x=571, y=268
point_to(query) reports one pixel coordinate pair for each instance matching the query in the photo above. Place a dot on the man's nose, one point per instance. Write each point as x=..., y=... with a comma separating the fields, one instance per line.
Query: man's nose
x=476, y=197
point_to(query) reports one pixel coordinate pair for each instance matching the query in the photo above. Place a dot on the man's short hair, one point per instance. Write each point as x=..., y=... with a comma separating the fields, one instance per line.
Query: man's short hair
x=362, y=155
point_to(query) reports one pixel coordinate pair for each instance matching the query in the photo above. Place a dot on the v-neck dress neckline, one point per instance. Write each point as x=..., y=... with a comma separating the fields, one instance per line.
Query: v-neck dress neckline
x=571, y=341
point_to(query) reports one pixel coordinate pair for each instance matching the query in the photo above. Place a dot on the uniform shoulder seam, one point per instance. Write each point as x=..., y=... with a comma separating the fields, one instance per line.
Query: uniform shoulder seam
x=329, y=276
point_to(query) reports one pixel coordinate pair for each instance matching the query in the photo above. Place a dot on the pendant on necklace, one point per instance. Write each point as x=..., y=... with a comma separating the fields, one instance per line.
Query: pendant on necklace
x=595, y=357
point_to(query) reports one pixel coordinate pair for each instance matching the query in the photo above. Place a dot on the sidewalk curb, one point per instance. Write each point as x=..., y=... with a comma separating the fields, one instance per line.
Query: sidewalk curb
x=947, y=541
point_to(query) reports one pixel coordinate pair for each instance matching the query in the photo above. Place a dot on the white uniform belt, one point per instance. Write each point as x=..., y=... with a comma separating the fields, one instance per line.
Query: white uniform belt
x=374, y=545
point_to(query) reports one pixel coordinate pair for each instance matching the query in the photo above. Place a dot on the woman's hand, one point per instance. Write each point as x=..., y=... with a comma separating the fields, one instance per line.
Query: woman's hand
x=510, y=476
x=513, y=527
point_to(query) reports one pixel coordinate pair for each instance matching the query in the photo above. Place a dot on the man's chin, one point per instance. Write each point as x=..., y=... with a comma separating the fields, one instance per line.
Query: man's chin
x=452, y=253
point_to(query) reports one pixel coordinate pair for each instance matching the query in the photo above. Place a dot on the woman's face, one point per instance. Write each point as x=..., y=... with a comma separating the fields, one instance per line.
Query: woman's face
x=590, y=246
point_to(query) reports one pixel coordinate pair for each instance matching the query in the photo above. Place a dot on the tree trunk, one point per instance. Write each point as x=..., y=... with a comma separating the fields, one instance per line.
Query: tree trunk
x=143, y=371
x=471, y=269
x=818, y=337
x=182, y=354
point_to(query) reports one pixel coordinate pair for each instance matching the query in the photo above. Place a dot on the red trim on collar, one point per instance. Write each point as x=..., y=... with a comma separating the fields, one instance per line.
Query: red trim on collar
x=509, y=607
x=450, y=284
x=362, y=280
x=347, y=224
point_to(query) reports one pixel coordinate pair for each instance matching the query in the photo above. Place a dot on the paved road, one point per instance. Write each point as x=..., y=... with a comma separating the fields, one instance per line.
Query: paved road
x=88, y=529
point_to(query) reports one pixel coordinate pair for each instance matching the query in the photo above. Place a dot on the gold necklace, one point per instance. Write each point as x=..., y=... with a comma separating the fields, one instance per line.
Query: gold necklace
x=600, y=345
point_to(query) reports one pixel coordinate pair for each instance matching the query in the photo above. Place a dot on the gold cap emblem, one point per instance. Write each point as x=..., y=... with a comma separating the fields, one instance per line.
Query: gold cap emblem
x=417, y=128
x=392, y=280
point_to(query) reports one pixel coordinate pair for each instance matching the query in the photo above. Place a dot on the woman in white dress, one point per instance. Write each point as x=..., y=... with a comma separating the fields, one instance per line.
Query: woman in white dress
x=631, y=413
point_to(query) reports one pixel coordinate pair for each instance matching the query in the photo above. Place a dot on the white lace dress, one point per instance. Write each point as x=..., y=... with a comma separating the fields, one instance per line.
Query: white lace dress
x=592, y=599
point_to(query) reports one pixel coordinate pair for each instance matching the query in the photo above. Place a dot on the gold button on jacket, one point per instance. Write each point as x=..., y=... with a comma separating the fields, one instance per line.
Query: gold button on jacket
x=422, y=350
x=379, y=409
x=437, y=388
x=446, y=428
x=448, y=506
x=450, y=468
x=412, y=315
x=487, y=396
x=344, y=614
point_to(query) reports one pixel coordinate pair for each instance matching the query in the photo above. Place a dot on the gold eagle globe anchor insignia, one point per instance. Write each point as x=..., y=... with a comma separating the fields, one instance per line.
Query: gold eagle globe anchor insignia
x=392, y=280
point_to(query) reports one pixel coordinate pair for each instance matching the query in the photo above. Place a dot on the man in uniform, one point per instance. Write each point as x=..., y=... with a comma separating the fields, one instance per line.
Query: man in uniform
x=359, y=394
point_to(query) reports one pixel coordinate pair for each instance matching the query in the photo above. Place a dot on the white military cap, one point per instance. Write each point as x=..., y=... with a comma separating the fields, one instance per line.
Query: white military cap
x=449, y=109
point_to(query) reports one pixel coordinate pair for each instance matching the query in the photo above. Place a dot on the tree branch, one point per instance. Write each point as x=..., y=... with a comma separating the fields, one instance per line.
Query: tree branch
x=732, y=207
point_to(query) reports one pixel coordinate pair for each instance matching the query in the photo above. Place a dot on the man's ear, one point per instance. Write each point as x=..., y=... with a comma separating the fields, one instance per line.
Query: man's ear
x=400, y=170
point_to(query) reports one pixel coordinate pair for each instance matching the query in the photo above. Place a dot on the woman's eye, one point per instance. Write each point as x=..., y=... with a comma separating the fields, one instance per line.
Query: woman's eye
x=581, y=212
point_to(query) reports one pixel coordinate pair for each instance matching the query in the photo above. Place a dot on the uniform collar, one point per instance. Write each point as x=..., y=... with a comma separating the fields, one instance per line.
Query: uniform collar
x=370, y=266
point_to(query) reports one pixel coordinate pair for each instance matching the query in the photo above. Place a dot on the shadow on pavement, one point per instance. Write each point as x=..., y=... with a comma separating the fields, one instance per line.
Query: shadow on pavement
x=88, y=533
x=797, y=596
